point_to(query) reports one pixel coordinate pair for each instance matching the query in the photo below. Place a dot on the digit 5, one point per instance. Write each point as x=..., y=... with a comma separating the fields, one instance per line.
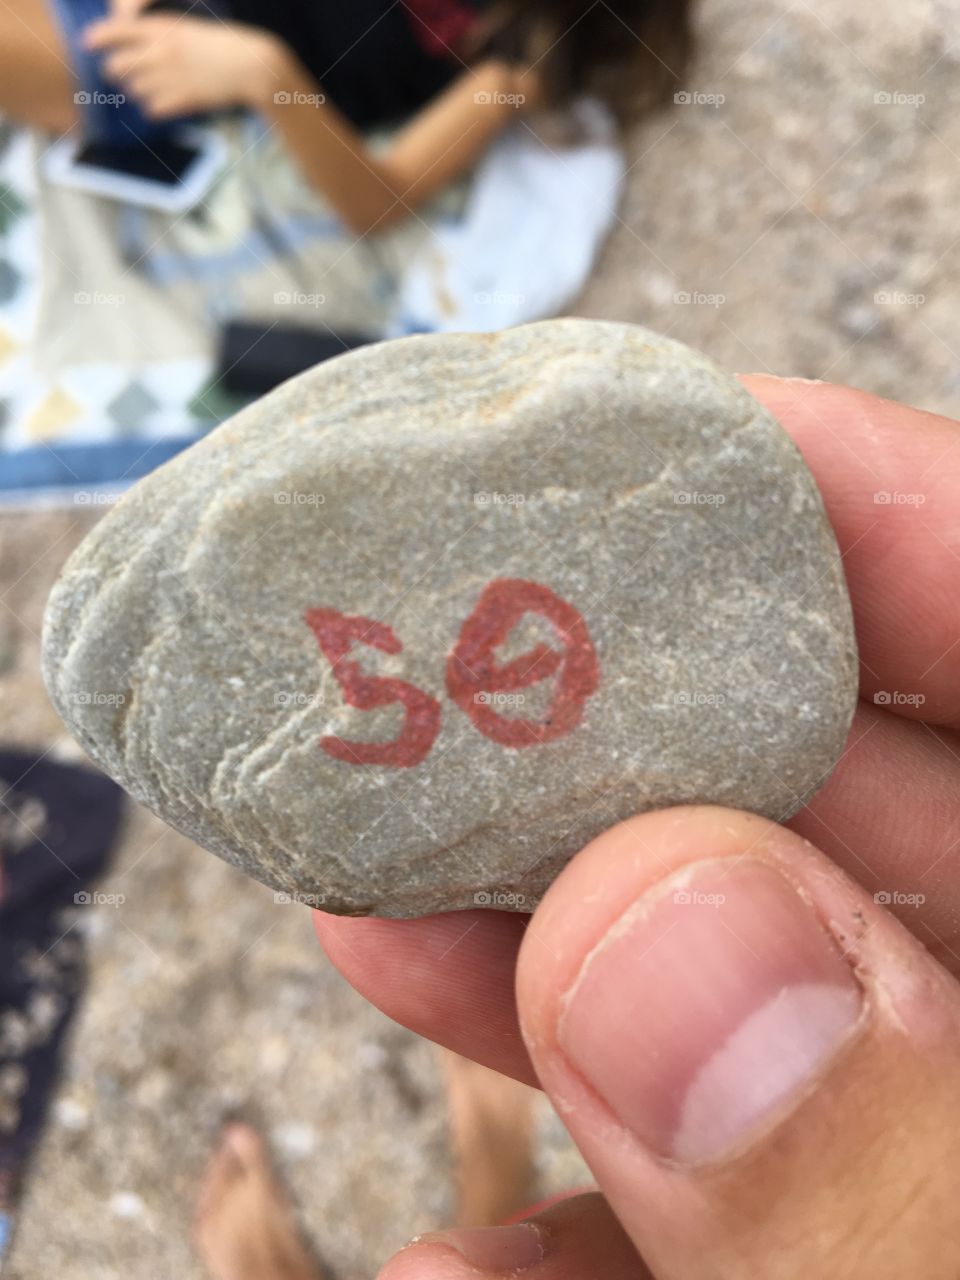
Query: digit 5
x=336, y=634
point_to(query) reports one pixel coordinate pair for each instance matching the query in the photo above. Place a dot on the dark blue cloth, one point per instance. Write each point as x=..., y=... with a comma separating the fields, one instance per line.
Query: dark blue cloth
x=59, y=823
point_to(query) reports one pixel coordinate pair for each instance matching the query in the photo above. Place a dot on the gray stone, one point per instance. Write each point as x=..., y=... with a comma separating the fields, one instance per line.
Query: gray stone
x=697, y=644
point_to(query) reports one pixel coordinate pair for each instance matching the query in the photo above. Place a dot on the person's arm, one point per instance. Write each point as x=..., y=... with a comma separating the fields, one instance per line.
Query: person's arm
x=175, y=65
x=372, y=190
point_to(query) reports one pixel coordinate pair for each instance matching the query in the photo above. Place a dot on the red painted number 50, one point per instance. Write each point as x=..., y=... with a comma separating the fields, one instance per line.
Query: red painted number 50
x=474, y=678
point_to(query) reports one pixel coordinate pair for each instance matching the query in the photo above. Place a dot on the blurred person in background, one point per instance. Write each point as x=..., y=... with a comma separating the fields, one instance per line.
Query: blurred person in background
x=359, y=171
x=325, y=74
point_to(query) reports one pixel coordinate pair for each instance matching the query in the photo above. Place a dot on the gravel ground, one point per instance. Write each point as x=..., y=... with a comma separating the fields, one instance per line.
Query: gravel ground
x=803, y=224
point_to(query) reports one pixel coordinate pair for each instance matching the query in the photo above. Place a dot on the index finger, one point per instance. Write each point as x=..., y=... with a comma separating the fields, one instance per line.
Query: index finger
x=890, y=480
x=112, y=33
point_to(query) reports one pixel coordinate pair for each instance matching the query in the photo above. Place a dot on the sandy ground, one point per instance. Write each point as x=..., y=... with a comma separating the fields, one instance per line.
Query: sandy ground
x=806, y=225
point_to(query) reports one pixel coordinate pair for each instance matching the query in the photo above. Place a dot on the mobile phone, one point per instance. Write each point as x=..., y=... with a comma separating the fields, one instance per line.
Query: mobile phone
x=160, y=173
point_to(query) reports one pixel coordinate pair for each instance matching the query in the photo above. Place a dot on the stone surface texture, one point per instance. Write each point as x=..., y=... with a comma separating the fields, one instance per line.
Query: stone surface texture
x=621, y=471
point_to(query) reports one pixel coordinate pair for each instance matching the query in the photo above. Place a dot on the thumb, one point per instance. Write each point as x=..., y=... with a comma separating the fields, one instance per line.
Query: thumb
x=758, y=1062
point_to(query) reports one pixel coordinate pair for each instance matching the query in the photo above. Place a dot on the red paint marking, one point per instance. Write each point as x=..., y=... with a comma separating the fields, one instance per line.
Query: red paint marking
x=472, y=668
x=336, y=634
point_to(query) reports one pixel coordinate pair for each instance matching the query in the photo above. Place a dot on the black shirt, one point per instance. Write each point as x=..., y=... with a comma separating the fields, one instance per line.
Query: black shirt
x=377, y=60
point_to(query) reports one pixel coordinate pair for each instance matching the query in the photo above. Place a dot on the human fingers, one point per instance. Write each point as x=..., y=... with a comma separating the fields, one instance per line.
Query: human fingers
x=757, y=1061
x=890, y=480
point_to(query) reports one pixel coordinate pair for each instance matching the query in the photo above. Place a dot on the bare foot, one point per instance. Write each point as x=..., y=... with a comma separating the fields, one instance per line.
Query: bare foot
x=245, y=1228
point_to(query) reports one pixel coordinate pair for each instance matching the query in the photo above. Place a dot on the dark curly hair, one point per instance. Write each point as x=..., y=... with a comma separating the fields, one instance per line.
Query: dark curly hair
x=630, y=53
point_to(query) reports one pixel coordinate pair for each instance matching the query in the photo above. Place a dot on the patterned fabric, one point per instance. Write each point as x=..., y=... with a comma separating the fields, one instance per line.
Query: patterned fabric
x=108, y=339
x=19, y=267
x=110, y=333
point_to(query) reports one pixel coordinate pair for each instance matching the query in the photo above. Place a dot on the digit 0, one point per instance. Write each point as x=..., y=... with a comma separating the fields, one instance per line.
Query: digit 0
x=472, y=668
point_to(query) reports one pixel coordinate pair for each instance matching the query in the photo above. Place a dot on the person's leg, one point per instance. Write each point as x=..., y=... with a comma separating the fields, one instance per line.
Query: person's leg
x=36, y=80
x=245, y=1227
x=491, y=1118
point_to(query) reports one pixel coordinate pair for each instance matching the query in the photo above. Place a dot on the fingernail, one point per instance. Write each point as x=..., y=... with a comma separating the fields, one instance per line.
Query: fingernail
x=513, y=1248
x=709, y=1009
